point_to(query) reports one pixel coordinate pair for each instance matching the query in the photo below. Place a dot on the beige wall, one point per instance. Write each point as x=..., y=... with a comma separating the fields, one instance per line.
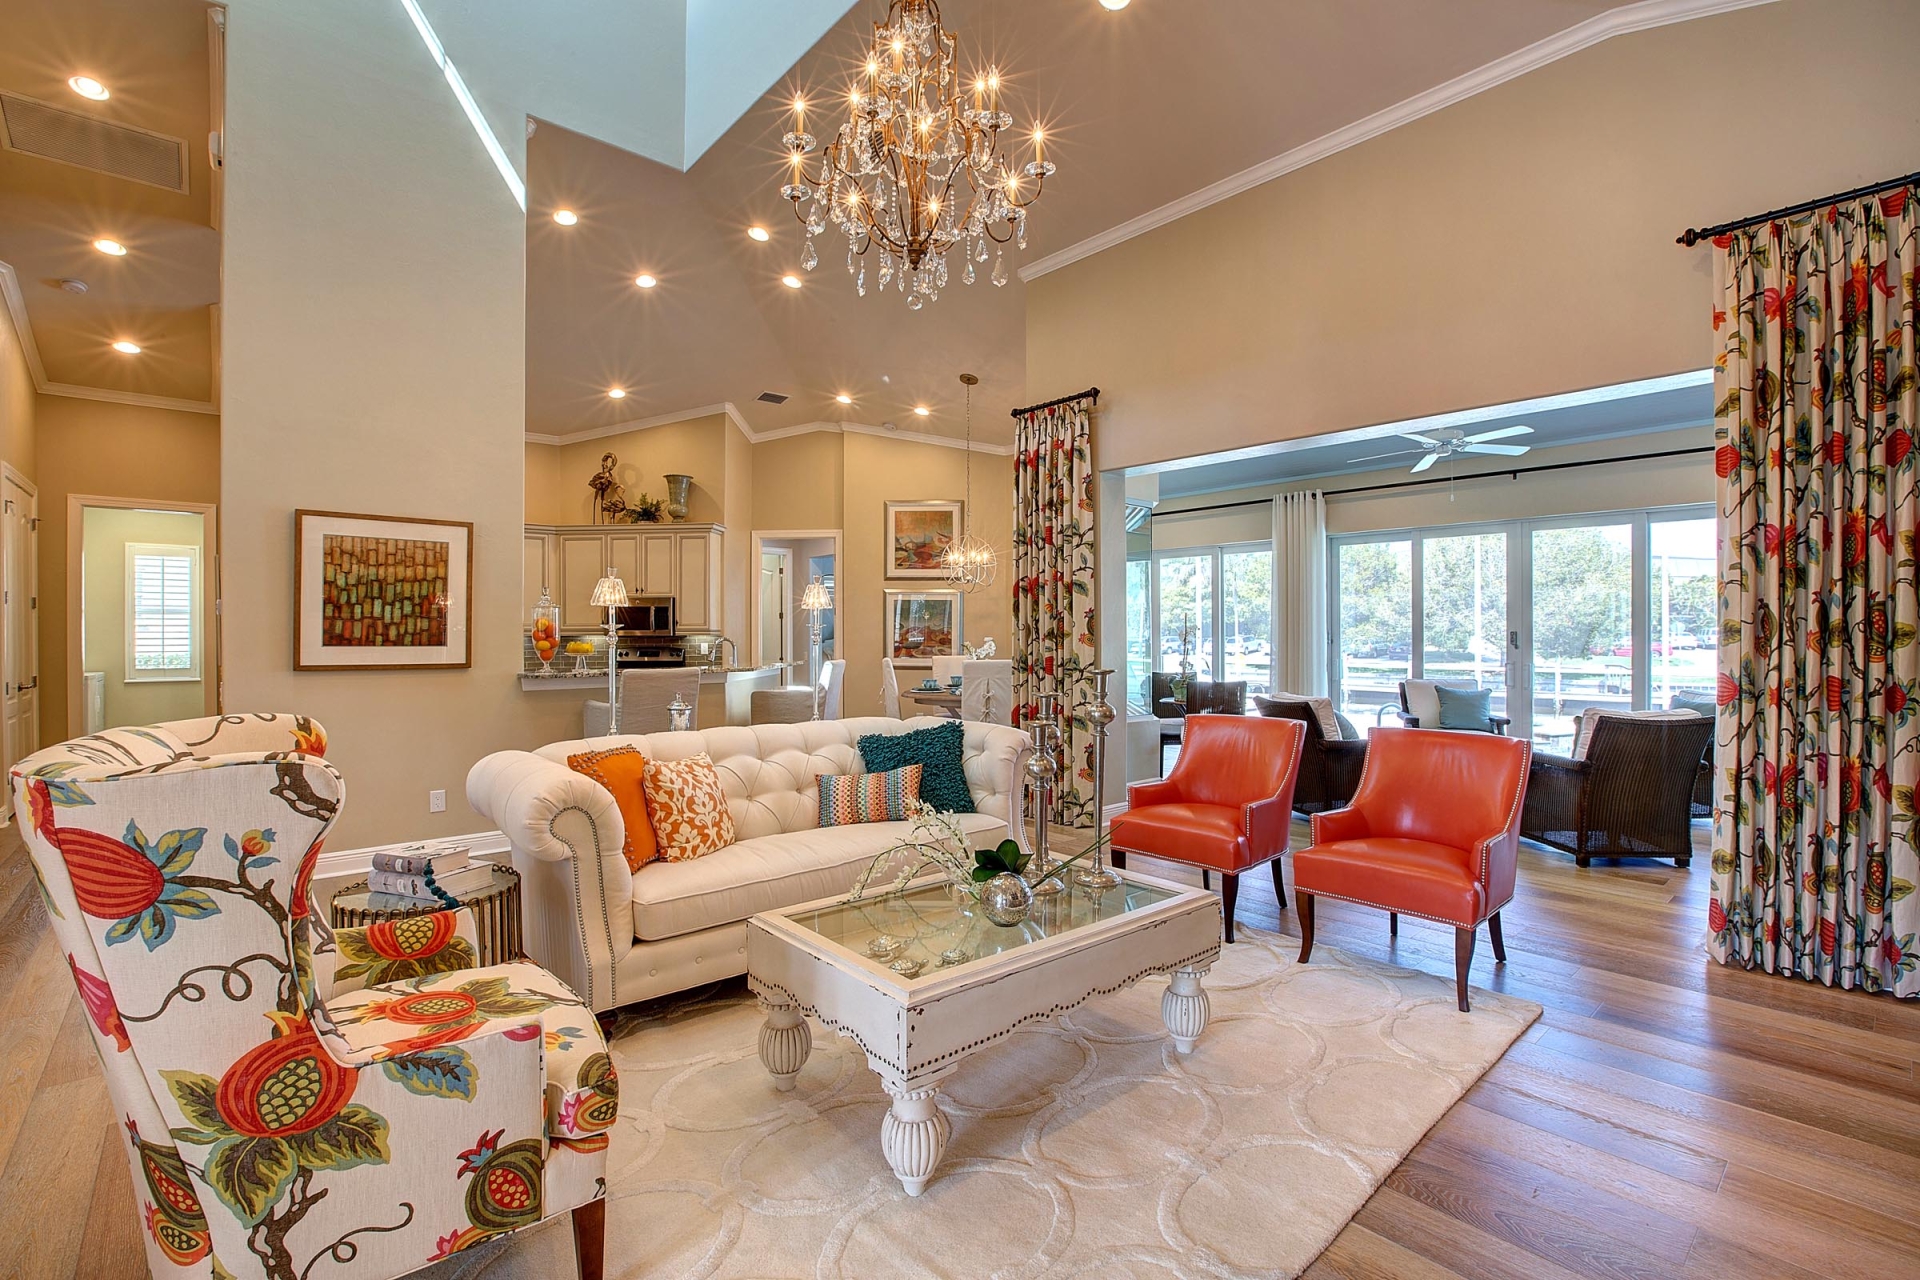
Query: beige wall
x=557, y=475
x=1516, y=244
x=155, y=456
x=16, y=402
x=802, y=477
x=373, y=361
x=106, y=533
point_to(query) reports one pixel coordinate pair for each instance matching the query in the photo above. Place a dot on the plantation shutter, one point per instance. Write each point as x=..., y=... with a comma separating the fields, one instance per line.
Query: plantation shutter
x=160, y=613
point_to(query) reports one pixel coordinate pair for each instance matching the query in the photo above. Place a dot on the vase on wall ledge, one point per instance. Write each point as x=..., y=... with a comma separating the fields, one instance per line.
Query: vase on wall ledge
x=679, y=489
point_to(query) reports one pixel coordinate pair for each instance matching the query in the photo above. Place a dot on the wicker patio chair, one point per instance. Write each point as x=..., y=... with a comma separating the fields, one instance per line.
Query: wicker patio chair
x=1329, y=767
x=1631, y=795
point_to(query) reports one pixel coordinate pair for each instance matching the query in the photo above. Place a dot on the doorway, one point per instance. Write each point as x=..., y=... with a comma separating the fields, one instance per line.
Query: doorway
x=770, y=639
x=20, y=601
x=783, y=627
x=142, y=645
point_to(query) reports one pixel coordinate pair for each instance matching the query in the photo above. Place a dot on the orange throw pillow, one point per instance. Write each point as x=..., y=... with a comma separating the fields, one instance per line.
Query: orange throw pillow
x=688, y=807
x=622, y=771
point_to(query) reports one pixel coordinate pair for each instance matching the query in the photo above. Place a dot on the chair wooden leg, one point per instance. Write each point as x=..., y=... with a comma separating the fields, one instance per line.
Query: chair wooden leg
x=1493, y=935
x=1393, y=924
x=1280, y=882
x=1118, y=857
x=1206, y=878
x=1462, y=962
x=590, y=1238
x=1229, y=890
x=1304, y=905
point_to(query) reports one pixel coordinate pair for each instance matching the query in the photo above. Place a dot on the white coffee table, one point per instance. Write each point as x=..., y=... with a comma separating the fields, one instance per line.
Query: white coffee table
x=978, y=983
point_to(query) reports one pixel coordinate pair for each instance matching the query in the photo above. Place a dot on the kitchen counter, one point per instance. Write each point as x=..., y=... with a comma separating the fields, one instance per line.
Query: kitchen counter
x=726, y=693
x=593, y=680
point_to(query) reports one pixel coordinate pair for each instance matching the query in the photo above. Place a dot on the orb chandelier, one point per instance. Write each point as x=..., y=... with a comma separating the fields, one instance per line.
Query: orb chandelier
x=915, y=170
x=970, y=558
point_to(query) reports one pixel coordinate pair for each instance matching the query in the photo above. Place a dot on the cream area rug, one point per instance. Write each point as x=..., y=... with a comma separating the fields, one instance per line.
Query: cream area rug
x=1081, y=1147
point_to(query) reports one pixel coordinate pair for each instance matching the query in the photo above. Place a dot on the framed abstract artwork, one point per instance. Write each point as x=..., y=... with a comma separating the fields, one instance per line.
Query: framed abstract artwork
x=918, y=535
x=387, y=592
x=923, y=625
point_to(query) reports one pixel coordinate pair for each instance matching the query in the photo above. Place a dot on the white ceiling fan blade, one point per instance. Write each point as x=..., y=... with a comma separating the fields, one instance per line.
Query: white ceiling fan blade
x=1501, y=434
x=1504, y=450
x=1425, y=462
x=1375, y=457
x=1425, y=441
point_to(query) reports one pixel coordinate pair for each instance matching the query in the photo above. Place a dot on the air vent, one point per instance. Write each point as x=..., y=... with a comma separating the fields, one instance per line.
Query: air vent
x=771, y=397
x=120, y=151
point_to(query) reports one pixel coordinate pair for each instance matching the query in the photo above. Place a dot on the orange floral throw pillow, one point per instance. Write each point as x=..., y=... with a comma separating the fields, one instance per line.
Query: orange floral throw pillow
x=688, y=807
x=622, y=771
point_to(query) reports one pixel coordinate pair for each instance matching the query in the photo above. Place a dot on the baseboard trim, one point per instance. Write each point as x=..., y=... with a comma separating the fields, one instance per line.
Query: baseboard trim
x=335, y=863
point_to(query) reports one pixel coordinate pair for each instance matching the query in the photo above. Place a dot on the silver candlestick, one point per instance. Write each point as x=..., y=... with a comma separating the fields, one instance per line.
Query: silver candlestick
x=1043, y=770
x=1100, y=714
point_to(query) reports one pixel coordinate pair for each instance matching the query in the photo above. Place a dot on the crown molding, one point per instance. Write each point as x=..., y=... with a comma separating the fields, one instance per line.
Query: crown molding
x=1625, y=20
x=776, y=433
x=16, y=309
x=917, y=437
x=725, y=408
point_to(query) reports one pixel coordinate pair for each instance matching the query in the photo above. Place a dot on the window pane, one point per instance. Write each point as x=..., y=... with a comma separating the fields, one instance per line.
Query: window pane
x=1139, y=625
x=1464, y=613
x=161, y=618
x=1247, y=617
x=1375, y=643
x=1582, y=627
x=1186, y=614
x=1685, y=593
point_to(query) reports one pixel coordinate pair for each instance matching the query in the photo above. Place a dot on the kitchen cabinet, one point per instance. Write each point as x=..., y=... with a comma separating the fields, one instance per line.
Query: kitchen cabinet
x=536, y=572
x=679, y=560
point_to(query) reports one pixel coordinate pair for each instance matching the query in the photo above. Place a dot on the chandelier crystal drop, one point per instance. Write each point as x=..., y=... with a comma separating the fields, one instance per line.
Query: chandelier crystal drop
x=914, y=170
x=970, y=558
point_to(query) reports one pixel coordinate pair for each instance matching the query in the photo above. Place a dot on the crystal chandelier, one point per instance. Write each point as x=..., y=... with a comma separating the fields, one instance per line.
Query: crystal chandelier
x=914, y=169
x=970, y=559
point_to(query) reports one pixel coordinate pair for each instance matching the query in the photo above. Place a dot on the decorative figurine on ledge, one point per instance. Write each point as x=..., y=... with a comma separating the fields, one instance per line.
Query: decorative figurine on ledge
x=609, y=495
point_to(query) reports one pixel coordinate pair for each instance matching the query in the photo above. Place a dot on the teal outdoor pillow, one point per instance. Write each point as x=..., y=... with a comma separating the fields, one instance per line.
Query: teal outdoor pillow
x=1464, y=708
x=943, y=782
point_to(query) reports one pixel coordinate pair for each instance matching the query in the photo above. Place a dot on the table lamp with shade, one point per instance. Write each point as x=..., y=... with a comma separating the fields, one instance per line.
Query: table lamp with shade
x=610, y=593
x=816, y=600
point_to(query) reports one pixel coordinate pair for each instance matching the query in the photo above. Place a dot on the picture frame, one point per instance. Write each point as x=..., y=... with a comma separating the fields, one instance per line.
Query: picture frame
x=923, y=625
x=386, y=593
x=918, y=535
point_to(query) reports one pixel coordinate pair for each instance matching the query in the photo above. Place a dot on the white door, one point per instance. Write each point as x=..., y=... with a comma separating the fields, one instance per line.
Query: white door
x=771, y=643
x=19, y=537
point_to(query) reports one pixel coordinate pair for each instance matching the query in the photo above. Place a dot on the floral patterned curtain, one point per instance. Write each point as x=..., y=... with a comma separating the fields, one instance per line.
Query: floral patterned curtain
x=1053, y=621
x=1819, y=750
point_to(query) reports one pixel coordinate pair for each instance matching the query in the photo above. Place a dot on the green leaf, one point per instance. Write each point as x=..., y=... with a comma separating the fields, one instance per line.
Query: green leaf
x=175, y=851
x=189, y=903
x=445, y=1072
x=1899, y=889
x=196, y=1096
x=357, y=1136
x=983, y=874
x=1903, y=634
x=250, y=1174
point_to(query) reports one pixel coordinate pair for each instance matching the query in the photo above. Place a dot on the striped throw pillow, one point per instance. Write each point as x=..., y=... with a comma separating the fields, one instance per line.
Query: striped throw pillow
x=847, y=798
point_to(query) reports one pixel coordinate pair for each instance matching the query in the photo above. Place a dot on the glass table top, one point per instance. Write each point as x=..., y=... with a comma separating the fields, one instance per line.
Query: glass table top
x=926, y=929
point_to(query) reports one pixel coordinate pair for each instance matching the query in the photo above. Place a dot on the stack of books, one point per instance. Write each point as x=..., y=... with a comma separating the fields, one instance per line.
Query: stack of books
x=428, y=875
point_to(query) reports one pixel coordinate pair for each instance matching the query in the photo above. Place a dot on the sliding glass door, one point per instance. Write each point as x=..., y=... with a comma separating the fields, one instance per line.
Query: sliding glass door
x=1553, y=616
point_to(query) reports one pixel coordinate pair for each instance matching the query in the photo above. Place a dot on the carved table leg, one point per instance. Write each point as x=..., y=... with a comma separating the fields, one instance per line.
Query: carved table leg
x=785, y=1042
x=913, y=1135
x=1184, y=1008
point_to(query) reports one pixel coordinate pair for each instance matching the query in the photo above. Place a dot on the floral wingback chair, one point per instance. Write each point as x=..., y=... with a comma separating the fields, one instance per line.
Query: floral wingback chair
x=367, y=1101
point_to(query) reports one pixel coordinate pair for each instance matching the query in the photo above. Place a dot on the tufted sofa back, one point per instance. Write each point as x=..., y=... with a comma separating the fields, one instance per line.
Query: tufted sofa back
x=771, y=771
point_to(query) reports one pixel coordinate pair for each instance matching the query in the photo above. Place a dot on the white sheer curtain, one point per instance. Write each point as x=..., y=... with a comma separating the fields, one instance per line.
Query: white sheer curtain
x=1300, y=593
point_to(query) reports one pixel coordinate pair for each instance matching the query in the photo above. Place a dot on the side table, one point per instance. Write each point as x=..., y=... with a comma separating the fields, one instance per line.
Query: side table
x=495, y=908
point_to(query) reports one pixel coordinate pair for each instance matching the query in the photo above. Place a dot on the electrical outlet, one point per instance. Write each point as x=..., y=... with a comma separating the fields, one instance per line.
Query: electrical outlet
x=436, y=802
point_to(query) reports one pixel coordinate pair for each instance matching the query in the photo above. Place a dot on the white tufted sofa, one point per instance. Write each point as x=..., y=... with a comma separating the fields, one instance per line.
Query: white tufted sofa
x=617, y=936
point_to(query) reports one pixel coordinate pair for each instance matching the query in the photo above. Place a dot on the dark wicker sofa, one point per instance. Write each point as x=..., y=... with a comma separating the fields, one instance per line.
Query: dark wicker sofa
x=1329, y=767
x=1630, y=797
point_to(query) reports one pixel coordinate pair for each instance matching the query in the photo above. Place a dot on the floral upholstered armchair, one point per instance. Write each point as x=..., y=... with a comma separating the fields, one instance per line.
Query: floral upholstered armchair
x=368, y=1101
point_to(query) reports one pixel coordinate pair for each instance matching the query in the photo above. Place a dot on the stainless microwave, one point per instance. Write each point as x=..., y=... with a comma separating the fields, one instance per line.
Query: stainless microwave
x=645, y=616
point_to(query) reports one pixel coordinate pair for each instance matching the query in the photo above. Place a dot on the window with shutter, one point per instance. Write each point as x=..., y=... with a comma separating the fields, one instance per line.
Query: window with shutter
x=163, y=630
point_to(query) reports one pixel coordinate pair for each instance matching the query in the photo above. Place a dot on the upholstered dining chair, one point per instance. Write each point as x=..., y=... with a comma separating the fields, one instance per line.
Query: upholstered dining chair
x=889, y=689
x=986, y=690
x=1227, y=806
x=295, y=1100
x=1433, y=831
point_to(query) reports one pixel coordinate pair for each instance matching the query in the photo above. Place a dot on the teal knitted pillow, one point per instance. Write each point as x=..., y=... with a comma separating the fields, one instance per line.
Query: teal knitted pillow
x=943, y=782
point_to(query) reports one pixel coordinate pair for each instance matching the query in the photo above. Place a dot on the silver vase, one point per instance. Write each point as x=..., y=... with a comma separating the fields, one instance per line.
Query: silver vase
x=1006, y=899
x=1100, y=713
x=1043, y=771
x=679, y=490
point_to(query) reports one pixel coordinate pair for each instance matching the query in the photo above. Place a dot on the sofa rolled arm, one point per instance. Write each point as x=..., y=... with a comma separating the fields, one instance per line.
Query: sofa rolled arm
x=566, y=833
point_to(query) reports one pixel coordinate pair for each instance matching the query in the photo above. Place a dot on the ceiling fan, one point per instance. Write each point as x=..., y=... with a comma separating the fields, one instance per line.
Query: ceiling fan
x=1451, y=441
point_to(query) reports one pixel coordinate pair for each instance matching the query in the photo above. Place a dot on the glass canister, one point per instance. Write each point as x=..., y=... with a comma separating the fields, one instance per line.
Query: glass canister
x=546, y=630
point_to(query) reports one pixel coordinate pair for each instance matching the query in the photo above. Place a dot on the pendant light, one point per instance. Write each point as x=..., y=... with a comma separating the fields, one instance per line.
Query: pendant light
x=970, y=559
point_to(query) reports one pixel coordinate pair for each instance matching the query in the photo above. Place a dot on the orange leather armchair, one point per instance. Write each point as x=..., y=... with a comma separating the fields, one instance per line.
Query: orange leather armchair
x=1227, y=806
x=1433, y=831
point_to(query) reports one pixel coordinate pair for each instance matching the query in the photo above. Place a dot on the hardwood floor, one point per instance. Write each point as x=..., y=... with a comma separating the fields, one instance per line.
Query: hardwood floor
x=1666, y=1117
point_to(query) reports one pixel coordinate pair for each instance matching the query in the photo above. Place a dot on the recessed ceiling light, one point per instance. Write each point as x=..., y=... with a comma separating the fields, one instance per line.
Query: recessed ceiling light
x=645, y=282
x=844, y=399
x=112, y=248
x=922, y=410
x=1115, y=5
x=758, y=233
x=126, y=348
x=792, y=282
x=615, y=393
x=565, y=217
x=88, y=87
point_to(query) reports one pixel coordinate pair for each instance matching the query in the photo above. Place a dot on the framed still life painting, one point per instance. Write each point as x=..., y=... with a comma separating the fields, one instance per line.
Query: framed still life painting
x=387, y=592
x=918, y=535
x=923, y=625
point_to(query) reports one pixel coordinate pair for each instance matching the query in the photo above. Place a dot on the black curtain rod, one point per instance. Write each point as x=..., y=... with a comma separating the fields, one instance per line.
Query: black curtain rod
x=1091, y=393
x=1513, y=473
x=1693, y=235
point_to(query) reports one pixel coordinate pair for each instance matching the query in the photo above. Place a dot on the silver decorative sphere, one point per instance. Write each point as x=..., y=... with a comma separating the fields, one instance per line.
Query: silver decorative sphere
x=1006, y=899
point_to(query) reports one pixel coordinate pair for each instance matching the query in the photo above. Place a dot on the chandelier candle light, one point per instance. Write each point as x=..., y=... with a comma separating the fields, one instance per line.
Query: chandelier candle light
x=970, y=559
x=915, y=169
